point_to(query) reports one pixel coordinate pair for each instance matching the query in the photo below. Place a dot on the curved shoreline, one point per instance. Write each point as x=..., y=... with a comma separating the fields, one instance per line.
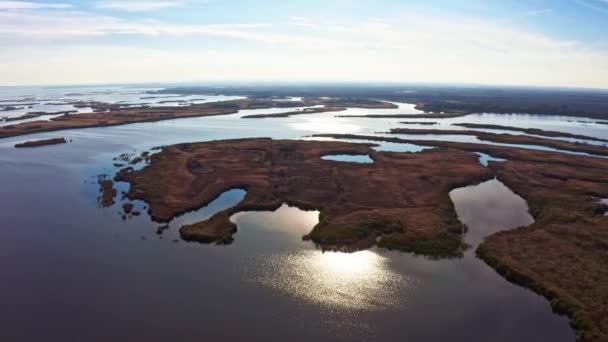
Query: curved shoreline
x=532, y=131
x=511, y=139
x=545, y=256
x=407, y=116
x=561, y=255
x=45, y=142
x=292, y=113
x=109, y=114
x=184, y=177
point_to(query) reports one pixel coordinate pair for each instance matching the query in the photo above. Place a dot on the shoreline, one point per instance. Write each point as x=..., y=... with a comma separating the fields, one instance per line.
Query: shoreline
x=292, y=172
x=106, y=114
x=546, y=256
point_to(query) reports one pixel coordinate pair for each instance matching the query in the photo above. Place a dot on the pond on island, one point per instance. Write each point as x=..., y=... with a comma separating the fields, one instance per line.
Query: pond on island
x=365, y=159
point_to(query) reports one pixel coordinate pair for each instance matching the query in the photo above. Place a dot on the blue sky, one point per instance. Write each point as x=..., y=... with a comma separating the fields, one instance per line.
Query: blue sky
x=534, y=42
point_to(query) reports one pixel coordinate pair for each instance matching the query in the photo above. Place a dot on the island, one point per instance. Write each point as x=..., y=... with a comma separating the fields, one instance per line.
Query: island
x=108, y=114
x=297, y=112
x=437, y=99
x=414, y=213
x=504, y=138
x=442, y=115
x=37, y=143
x=531, y=131
x=563, y=254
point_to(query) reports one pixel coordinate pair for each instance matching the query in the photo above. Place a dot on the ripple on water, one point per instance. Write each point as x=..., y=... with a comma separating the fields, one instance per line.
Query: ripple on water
x=360, y=281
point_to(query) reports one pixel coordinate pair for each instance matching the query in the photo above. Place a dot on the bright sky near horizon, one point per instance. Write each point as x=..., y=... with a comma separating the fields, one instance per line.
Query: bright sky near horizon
x=517, y=42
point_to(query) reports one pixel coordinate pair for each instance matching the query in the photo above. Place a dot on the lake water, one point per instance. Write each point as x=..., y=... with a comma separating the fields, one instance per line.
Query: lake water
x=364, y=159
x=485, y=158
x=73, y=270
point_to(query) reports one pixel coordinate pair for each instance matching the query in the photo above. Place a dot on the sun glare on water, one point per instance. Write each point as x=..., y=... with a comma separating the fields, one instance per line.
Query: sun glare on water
x=335, y=280
x=326, y=125
x=357, y=281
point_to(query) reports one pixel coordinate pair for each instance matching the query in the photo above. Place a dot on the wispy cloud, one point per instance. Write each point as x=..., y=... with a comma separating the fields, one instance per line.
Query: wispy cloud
x=300, y=21
x=68, y=25
x=432, y=34
x=409, y=47
x=25, y=5
x=139, y=5
x=596, y=5
x=534, y=13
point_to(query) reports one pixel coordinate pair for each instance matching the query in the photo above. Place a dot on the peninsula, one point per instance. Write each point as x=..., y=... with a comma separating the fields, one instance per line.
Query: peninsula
x=106, y=114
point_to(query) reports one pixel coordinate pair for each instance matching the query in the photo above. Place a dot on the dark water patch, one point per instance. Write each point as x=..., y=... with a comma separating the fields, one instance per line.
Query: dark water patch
x=488, y=208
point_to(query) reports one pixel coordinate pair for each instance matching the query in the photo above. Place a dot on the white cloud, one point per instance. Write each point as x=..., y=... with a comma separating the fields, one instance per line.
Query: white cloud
x=413, y=48
x=107, y=64
x=139, y=5
x=69, y=25
x=21, y=5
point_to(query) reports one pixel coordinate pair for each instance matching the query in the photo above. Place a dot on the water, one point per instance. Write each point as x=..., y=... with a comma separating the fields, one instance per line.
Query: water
x=402, y=108
x=546, y=122
x=475, y=140
x=58, y=99
x=365, y=159
x=74, y=270
x=488, y=208
x=485, y=158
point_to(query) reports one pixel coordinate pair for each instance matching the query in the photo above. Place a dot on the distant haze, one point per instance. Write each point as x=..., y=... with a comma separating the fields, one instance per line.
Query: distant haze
x=535, y=43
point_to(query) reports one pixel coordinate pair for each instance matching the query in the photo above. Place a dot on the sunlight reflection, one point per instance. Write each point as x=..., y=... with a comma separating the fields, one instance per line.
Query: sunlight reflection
x=356, y=281
x=285, y=220
x=337, y=281
x=326, y=125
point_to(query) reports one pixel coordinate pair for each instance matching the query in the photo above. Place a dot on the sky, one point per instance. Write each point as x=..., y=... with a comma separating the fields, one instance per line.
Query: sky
x=562, y=43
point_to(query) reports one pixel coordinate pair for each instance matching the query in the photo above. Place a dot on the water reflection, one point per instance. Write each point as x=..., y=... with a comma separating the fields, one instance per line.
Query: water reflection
x=333, y=280
x=485, y=158
x=356, y=281
x=291, y=291
x=488, y=208
x=379, y=146
x=224, y=201
x=364, y=159
x=384, y=146
x=325, y=125
x=237, y=292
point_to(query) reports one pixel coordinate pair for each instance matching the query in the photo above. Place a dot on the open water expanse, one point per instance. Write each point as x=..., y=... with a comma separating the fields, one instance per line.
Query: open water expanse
x=72, y=270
